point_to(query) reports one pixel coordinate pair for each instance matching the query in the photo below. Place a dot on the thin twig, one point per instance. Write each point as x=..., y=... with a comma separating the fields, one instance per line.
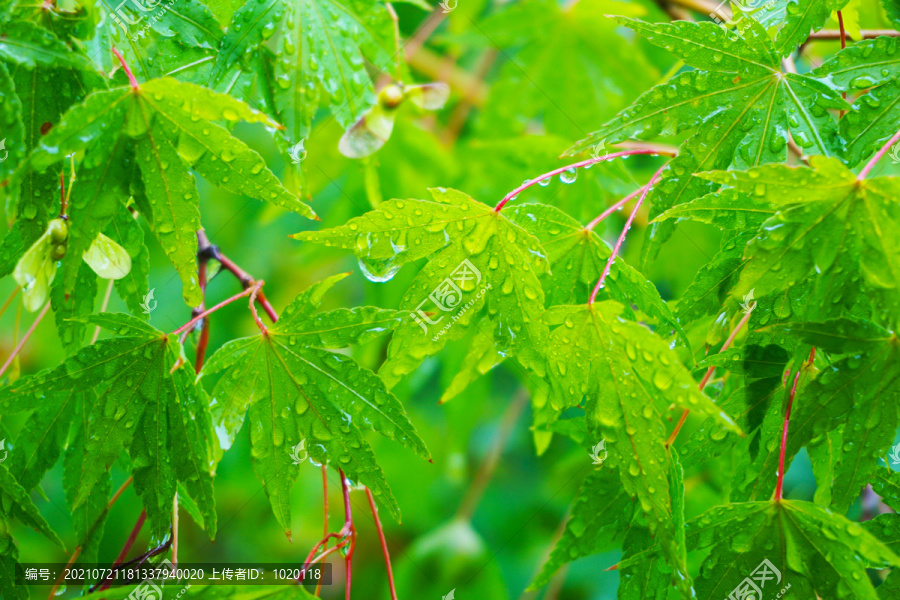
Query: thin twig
x=428, y=26
x=492, y=458
x=461, y=113
x=118, y=493
x=253, y=295
x=843, y=45
x=347, y=530
x=878, y=155
x=63, y=204
x=193, y=321
x=9, y=300
x=325, y=509
x=131, y=79
x=325, y=495
x=590, y=226
x=612, y=257
x=246, y=280
x=24, y=339
x=348, y=520
x=784, y=434
x=175, y=531
x=123, y=554
x=103, y=306
x=865, y=34
x=75, y=554
x=397, y=55
x=384, y=548
x=203, y=342
x=583, y=163
x=843, y=33
x=709, y=373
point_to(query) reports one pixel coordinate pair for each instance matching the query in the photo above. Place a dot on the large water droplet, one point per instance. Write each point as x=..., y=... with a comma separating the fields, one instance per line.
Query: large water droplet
x=378, y=271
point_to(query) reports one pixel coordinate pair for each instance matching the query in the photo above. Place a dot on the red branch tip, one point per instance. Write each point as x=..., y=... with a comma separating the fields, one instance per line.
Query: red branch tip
x=645, y=190
x=583, y=163
x=131, y=79
x=884, y=150
x=784, y=434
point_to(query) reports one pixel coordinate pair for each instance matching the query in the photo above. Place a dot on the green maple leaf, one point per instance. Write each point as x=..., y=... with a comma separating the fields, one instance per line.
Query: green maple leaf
x=754, y=400
x=160, y=418
x=871, y=121
x=875, y=115
x=15, y=501
x=813, y=549
x=321, y=50
x=481, y=357
x=170, y=36
x=828, y=226
x=78, y=303
x=858, y=392
x=30, y=45
x=40, y=443
x=728, y=210
x=739, y=215
x=643, y=574
x=167, y=128
x=34, y=197
x=89, y=517
x=862, y=65
x=11, y=570
x=601, y=511
x=457, y=233
x=630, y=377
x=577, y=258
x=851, y=395
x=801, y=17
x=886, y=484
x=300, y=392
x=887, y=529
x=11, y=124
x=740, y=104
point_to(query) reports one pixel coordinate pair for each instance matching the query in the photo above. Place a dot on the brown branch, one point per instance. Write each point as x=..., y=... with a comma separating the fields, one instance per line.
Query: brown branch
x=676, y=13
x=489, y=464
x=77, y=552
x=203, y=342
x=705, y=7
x=212, y=251
x=62, y=574
x=464, y=108
x=123, y=554
x=472, y=89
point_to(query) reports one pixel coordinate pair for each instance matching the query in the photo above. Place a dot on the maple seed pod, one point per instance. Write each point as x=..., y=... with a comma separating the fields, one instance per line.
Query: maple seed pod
x=391, y=96
x=58, y=230
x=59, y=251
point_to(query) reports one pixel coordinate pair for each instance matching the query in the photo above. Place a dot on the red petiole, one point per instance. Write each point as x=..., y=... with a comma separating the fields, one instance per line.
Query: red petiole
x=583, y=163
